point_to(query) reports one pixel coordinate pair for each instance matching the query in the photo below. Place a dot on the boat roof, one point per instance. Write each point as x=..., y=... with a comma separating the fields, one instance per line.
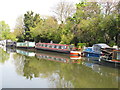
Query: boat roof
x=54, y=44
x=116, y=50
x=102, y=45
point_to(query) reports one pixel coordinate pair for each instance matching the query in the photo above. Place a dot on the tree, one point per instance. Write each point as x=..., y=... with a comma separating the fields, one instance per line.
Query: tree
x=30, y=21
x=66, y=33
x=85, y=22
x=108, y=6
x=19, y=28
x=4, y=30
x=46, y=29
x=63, y=10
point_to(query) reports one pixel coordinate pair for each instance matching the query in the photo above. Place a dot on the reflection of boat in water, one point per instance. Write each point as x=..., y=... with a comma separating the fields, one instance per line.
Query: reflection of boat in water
x=92, y=62
x=52, y=58
x=10, y=50
x=3, y=47
x=57, y=57
x=23, y=52
x=101, y=69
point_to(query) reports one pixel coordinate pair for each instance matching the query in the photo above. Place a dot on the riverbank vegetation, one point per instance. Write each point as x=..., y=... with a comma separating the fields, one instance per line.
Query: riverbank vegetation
x=87, y=22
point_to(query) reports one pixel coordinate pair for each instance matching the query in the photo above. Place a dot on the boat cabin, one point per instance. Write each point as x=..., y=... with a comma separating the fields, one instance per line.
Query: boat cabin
x=113, y=57
x=97, y=47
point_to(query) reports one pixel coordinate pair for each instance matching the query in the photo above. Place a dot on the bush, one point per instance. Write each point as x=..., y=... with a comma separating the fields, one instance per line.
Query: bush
x=81, y=45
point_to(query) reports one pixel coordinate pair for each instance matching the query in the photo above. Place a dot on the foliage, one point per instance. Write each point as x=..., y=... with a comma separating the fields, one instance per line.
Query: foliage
x=89, y=24
x=4, y=30
x=19, y=29
x=4, y=56
x=30, y=21
x=81, y=44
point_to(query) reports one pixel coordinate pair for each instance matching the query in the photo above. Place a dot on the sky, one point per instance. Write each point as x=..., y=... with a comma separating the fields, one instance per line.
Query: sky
x=10, y=10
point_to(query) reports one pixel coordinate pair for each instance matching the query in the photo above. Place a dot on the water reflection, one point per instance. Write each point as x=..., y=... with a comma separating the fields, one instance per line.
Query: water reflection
x=62, y=72
x=4, y=56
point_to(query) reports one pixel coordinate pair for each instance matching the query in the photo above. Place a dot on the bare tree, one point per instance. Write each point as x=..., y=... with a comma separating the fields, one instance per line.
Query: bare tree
x=63, y=10
x=108, y=6
x=19, y=27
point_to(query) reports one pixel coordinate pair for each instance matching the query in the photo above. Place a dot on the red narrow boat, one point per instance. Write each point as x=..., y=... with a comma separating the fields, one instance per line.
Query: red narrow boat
x=55, y=47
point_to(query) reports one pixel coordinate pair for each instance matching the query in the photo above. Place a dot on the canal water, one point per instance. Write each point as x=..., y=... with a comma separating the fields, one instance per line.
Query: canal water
x=21, y=68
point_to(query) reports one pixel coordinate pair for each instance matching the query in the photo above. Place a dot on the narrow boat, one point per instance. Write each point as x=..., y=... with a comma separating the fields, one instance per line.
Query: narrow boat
x=113, y=57
x=55, y=47
x=25, y=44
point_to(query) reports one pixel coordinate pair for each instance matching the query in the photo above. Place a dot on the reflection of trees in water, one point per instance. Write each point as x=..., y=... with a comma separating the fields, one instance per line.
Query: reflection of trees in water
x=59, y=82
x=19, y=63
x=34, y=67
x=68, y=75
x=45, y=69
x=4, y=56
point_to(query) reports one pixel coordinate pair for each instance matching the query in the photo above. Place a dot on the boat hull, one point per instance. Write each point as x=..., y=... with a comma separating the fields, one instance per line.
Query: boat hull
x=90, y=54
x=109, y=63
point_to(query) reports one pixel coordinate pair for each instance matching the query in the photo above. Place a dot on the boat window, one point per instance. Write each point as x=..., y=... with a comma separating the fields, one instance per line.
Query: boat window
x=45, y=45
x=50, y=46
x=116, y=55
x=55, y=46
x=64, y=47
x=60, y=47
x=42, y=45
x=54, y=58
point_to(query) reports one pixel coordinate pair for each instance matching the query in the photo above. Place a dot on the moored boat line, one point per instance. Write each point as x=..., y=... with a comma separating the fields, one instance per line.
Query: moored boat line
x=103, y=51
